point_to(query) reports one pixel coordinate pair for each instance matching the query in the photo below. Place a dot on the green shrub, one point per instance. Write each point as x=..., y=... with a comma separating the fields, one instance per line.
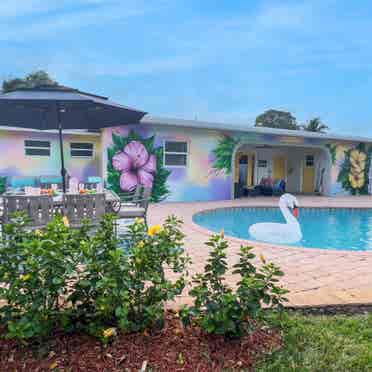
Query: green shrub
x=2, y=185
x=129, y=290
x=35, y=268
x=83, y=279
x=217, y=308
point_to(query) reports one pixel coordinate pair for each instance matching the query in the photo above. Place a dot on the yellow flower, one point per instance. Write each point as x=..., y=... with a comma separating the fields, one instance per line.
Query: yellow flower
x=262, y=258
x=139, y=220
x=109, y=332
x=141, y=244
x=38, y=232
x=153, y=230
x=66, y=222
x=26, y=277
x=357, y=180
x=358, y=160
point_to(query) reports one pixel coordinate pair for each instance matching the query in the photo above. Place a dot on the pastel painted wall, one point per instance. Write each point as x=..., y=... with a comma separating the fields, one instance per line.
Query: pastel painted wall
x=199, y=180
x=14, y=162
x=134, y=155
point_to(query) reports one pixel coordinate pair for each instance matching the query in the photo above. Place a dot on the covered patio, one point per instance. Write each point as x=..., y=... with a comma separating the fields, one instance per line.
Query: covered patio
x=290, y=168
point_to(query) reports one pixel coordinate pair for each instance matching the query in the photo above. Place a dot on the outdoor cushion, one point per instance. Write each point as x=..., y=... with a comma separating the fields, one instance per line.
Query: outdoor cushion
x=94, y=179
x=50, y=179
x=278, y=184
x=131, y=212
x=22, y=181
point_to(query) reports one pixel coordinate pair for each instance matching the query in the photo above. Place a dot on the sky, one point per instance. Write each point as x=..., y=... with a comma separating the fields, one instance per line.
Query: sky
x=218, y=60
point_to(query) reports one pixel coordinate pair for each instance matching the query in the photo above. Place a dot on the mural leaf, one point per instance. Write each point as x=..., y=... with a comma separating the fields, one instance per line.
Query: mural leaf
x=223, y=153
x=118, y=142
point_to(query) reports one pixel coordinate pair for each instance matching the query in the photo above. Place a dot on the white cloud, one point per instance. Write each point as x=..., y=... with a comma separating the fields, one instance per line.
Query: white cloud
x=83, y=13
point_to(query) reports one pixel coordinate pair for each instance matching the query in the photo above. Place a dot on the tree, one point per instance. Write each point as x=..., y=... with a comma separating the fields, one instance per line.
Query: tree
x=315, y=125
x=277, y=119
x=32, y=80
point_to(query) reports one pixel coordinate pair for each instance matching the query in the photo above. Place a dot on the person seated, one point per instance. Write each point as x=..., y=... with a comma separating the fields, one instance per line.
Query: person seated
x=266, y=186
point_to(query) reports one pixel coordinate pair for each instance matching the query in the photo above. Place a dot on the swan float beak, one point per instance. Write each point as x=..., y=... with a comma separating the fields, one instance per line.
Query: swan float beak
x=296, y=212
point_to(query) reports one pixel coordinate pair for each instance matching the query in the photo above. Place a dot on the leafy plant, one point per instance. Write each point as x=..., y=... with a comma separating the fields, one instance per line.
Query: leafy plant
x=223, y=153
x=2, y=185
x=61, y=277
x=315, y=125
x=35, y=269
x=160, y=189
x=129, y=291
x=217, y=308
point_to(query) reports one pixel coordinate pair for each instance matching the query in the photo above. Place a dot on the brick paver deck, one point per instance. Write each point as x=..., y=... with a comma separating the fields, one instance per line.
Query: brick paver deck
x=313, y=276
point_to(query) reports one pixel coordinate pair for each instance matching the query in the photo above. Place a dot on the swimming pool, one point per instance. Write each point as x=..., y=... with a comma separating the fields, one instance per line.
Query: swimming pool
x=328, y=228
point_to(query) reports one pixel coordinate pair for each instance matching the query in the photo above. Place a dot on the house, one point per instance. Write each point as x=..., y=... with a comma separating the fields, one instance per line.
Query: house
x=189, y=160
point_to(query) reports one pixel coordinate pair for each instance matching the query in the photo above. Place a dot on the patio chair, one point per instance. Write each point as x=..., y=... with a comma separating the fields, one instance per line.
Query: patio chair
x=137, y=208
x=279, y=187
x=38, y=208
x=92, y=182
x=79, y=207
x=46, y=182
x=18, y=183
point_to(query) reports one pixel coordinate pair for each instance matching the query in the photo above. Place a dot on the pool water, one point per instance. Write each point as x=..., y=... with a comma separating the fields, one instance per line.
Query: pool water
x=332, y=229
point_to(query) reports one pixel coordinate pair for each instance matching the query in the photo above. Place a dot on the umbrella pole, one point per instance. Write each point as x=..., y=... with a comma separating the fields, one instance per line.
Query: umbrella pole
x=63, y=170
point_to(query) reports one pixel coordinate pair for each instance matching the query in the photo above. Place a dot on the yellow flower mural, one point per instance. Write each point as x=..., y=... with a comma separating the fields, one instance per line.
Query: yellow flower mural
x=354, y=170
x=358, y=161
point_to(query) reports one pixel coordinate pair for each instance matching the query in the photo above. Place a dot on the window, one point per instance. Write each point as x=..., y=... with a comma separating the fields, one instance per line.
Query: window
x=37, y=148
x=309, y=161
x=81, y=150
x=175, y=154
x=262, y=164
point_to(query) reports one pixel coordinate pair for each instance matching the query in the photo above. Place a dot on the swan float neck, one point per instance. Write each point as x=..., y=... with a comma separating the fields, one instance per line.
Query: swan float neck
x=289, y=217
x=289, y=232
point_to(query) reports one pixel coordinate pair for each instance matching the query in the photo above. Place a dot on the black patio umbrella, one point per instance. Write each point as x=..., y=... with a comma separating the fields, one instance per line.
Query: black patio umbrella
x=56, y=107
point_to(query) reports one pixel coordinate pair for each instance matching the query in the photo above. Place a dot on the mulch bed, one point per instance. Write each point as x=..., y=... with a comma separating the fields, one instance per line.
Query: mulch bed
x=174, y=348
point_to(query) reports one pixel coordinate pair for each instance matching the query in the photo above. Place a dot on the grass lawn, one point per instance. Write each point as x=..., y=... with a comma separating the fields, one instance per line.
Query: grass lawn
x=323, y=343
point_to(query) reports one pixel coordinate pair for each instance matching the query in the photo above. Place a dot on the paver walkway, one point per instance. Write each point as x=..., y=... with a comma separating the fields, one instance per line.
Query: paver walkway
x=313, y=276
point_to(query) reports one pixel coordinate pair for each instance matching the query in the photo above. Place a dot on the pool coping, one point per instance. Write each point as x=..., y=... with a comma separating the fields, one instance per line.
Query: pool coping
x=266, y=244
x=316, y=277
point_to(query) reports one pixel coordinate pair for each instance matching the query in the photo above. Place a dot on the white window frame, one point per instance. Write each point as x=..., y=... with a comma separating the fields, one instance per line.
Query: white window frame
x=25, y=147
x=176, y=153
x=83, y=156
x=262, y=166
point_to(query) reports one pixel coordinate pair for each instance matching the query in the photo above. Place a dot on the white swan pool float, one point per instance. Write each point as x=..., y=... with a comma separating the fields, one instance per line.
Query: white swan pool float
x=282, y=233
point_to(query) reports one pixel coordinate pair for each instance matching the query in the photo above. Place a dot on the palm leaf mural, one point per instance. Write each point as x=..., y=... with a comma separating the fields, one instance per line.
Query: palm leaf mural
x=354, y=170
x=223, y=154
x=333, y=151
x=159, y=186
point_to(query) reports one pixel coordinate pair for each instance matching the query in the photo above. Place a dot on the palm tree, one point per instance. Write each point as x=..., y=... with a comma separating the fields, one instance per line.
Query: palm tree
x=315, y=125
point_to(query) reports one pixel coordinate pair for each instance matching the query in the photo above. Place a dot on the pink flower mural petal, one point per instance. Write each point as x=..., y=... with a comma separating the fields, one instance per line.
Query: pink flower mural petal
x=137, y=153
x=128, y=181
x=121, y=162
x=150, y=166
x=145, y=178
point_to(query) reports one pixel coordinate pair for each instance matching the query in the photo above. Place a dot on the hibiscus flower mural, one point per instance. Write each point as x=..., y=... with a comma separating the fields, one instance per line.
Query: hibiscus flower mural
x=354, y=170
x=134, y=161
